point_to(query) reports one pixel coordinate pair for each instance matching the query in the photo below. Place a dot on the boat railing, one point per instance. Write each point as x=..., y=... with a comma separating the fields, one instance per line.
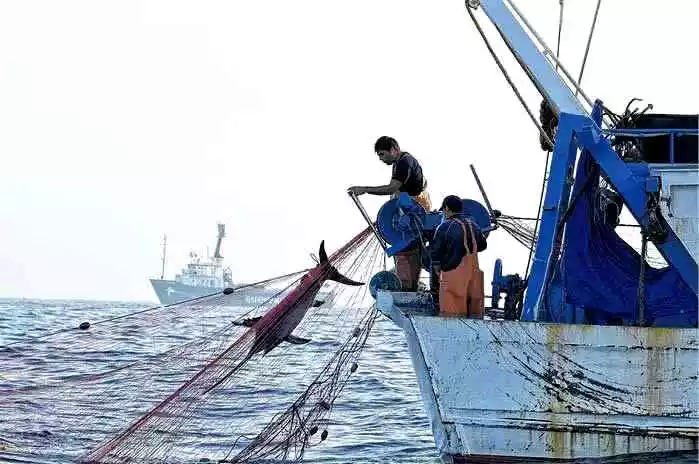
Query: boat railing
x=673, y=136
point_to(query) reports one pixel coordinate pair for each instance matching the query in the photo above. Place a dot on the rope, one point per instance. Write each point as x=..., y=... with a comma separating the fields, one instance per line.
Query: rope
x=547, y=51
x=587, y=48
x=519, y=231
x=538, y=211
x=507, y=76
x=521, y=218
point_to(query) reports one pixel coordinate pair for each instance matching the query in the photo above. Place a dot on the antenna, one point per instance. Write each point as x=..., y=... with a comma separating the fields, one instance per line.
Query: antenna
x=221, y=234
x=162, y=269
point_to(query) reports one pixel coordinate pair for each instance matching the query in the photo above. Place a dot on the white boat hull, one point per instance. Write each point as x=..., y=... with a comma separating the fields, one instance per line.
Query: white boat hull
x=501, y=391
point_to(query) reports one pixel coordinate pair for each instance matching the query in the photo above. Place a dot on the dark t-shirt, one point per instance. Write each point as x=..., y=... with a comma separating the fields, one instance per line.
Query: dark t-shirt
x=407, y=170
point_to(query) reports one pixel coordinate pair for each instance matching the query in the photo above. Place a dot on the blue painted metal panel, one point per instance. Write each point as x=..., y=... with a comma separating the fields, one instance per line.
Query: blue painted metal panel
x=630, y=183
x=555, y=205
x=398, y=220
x=478, y=214
x=552, y=304
x=672, y=148
x=496, y=284
x=535, y=64
x=652, y=184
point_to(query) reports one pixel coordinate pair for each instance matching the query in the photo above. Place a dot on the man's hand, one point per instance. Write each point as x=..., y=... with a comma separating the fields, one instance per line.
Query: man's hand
x=356, y=190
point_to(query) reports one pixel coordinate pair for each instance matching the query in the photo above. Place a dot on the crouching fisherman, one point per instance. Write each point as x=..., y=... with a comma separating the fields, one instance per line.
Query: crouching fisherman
x=454, y=252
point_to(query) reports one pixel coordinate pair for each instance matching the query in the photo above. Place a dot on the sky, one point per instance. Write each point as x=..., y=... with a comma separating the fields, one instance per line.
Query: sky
x=123, y=121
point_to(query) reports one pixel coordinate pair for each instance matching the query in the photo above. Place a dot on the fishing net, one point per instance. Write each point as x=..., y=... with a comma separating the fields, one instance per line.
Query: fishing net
x=523, y=233
x=189, y=375
x=288, y=435
x=518, y=229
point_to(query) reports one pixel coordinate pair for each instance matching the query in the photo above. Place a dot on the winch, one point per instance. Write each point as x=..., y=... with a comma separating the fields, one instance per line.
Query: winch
x=512, y=286
x=403, y=223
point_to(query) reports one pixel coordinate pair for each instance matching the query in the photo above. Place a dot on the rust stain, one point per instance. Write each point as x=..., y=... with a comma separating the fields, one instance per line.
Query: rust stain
x=555, y=439
x=657, y=338
x=556, y=444
x=553, y=337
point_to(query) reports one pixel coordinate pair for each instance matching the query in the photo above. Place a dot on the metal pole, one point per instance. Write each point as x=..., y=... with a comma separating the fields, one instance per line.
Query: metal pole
x=480, y=187
x=367, y=219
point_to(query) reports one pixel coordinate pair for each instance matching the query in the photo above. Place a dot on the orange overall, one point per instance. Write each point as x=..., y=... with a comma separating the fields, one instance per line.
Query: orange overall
x=409, y=263
x=461, y=290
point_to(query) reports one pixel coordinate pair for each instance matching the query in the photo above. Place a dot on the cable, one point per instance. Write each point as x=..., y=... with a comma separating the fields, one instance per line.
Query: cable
x=507, y=76
x=560, y=28
x=538, y=215
x=587, y=48
x=547, y=51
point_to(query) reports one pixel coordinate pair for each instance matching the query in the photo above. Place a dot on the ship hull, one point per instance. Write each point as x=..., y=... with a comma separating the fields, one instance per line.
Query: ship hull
x=508, y=391
x=171, y=292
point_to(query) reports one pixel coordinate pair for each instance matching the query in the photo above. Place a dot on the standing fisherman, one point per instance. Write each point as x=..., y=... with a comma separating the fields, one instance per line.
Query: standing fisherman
x=454, y=252
x=406, y=177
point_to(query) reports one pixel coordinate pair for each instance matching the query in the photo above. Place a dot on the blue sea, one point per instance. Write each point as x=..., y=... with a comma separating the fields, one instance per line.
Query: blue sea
x=378, y=417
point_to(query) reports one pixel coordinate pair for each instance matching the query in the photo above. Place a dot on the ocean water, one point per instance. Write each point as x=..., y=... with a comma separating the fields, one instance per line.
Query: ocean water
x=378, y=418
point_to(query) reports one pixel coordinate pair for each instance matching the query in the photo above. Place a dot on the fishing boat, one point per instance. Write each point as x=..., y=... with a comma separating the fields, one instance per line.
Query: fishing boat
x=592, y=354
x=595, y=353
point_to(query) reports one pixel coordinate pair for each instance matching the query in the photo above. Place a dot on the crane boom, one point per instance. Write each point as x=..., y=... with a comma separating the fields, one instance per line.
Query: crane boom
x=577, y=130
